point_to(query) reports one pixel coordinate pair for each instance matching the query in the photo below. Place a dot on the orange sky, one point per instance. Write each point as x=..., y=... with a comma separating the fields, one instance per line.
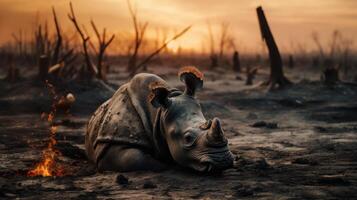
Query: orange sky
x=292, y=21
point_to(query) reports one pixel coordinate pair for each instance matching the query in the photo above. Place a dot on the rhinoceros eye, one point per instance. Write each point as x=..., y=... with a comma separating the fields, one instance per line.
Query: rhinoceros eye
x=189, y=139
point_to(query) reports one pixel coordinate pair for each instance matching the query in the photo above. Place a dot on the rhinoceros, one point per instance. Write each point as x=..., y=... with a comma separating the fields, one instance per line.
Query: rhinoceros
x=147, y=125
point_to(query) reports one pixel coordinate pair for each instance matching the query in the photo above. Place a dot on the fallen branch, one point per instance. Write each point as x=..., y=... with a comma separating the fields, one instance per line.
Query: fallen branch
x=55, y=68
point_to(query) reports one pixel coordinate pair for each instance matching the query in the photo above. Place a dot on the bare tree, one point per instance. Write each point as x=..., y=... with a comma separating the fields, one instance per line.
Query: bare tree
x=345, y=44
x=102, y=46
x=330, y=73
x=85, y=38
x=213, y=54
x=12, y=72
x=58, y=46
x=316, y=39
x=41, y=42
x=139, y=35
x=250, y=75
x=19, y=42
x=61, y=55
x=236, y=62
x=224, y=39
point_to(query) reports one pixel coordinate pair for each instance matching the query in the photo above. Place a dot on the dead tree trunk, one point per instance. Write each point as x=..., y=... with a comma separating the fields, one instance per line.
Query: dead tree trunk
x=291, y=61
x=214, y=61
x=276, y=65
x=43, y=65
x=236, y=62
x=330, y=75
x=12, y=72
x=251, y=75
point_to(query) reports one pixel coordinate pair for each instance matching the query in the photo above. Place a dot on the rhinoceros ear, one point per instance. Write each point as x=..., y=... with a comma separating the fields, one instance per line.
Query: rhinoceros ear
x=158, y=96
x=193, y=79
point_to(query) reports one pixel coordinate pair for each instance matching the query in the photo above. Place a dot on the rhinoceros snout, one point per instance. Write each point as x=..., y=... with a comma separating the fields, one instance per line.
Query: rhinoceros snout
x=215, y=134
x=218, y=161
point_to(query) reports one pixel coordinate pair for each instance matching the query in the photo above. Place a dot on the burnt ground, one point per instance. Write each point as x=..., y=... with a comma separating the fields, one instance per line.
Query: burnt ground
x=297, y=143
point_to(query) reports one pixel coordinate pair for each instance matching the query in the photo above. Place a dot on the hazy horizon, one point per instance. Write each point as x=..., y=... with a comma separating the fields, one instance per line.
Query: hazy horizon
x=292, y=22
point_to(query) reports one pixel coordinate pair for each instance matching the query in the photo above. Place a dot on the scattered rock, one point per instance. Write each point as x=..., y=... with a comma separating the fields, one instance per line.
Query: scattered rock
x=87, y=170
x=71, y=151
x=149, y=185
x=291, y=103
x=321, y=129
x=262, y=164
x=239, y=78
x=121, y=180
x=69, y=123
x=304, y=161
x=257, y=165
x=272, y=125
x=2, y=182
x=261, y=124
x=243, y=191
x=333, y=180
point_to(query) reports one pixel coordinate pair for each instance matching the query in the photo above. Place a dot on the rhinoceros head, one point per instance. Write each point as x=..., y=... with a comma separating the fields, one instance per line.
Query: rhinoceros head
x=192, y=140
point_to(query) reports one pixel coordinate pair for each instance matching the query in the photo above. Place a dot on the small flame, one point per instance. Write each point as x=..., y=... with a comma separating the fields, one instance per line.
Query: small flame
x=48, y=165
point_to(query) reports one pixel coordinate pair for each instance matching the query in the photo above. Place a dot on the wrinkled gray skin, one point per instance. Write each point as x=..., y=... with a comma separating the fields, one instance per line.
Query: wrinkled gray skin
x=174, y=130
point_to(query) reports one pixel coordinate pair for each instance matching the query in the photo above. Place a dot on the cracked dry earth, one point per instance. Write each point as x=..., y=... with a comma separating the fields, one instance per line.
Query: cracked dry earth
x=299, y=143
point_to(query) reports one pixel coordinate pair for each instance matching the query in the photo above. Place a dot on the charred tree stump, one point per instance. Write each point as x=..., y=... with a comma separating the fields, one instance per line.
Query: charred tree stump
x=291, y=62
x=43, y=65
x=276, y=65
x=236, y=62
x=214, y=61
x=12, y=72
x=251, y=75
x=330, y=75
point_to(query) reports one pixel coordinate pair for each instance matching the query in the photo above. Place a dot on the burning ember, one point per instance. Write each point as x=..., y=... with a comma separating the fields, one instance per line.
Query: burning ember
x=48, y=165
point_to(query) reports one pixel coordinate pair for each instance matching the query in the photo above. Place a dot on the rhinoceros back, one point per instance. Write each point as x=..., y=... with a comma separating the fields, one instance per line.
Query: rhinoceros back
x=127, y=119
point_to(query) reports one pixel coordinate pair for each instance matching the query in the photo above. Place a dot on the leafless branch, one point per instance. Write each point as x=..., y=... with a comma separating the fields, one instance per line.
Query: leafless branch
x=102, y=46
x=59, y=39
x=140, y=30
x=145, y=61
x=90, y=67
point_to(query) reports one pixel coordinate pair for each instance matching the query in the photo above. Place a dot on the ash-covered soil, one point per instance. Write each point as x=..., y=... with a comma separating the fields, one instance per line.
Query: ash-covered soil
x=297, y=143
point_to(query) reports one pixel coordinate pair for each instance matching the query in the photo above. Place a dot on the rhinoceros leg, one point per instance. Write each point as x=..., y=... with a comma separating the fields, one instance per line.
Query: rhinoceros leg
x=119, y=158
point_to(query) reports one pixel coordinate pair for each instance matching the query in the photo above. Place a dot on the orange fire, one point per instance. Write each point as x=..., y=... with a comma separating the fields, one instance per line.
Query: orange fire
x=48, y=165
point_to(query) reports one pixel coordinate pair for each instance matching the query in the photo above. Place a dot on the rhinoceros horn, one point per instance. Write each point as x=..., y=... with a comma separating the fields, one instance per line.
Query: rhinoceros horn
x=193, y=79
x=215, y=134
